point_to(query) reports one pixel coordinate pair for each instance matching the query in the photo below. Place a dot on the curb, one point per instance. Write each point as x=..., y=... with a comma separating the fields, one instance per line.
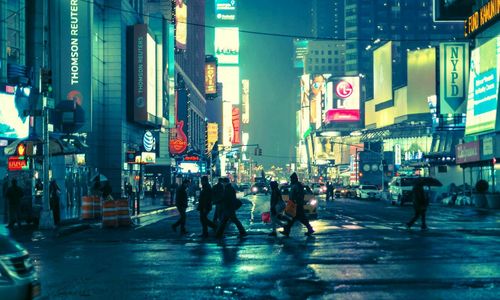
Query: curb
x=65, y=231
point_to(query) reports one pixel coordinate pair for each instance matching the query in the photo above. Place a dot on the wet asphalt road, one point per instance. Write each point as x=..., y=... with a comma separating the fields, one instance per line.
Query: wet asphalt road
x=360, y=251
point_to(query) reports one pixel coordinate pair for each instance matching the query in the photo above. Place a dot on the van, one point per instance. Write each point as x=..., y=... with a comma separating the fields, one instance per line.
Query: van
x=400, y=188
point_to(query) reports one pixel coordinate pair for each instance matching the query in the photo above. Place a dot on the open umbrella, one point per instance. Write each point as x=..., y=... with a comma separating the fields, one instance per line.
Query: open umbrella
x=99, y=177
x=429, y=181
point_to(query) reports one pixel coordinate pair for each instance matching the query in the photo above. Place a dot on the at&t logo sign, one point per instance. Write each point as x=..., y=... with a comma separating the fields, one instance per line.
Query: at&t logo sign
x=344, y=89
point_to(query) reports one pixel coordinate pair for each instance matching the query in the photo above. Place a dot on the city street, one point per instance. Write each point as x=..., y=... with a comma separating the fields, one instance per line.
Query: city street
x=360, y=250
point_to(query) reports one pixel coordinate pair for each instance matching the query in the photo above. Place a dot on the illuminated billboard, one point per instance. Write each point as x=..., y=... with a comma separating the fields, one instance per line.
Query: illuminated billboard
x=317, y=98
x=483, y=88
x=210, y=78
x=382, y=73
x=452, y=10
x=421, y=74
x=227, y=124
x=245, y=101
x=12, y=122
x=454, y=70
x=212, y=135
x=227, y=45
x=229, y=76
x=304, y=103
x=301, y=47
x=342, y=100
x=181, y=19
x=225, y=10
x=236, y=122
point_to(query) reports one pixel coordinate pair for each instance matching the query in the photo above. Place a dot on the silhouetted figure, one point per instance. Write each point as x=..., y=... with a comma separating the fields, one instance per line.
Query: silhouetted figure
x=275, y=200
x=297, y=196
x=107, y=191
x=54, y=192
x=154, y=190
x=420, y=203
x=329, y=191
x=228, y=210
x=218, y=194
x=205, y=206
x=14, y=194
x=181, y=202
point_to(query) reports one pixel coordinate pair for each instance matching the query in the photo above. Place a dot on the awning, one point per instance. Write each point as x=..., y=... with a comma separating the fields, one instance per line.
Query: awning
x=400, y=130
x=444, y=142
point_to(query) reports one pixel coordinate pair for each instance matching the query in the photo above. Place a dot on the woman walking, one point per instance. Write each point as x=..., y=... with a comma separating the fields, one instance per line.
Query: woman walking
x=276, y=200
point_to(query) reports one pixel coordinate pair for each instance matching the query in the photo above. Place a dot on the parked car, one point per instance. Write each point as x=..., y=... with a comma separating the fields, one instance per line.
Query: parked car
x=310, y=201
x=351, y=191
x=18, y=278
x=244, y=187
x=340, y=192
x=367, y=191
x=318, y=188
x=400, y=188
x=259, y=188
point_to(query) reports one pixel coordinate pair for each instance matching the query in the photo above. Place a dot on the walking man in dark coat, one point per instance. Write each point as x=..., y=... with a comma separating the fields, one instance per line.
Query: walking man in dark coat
x=181, y=202
x=420, y=203
x=297, y=196
x=218, y=194
x=205, y=206
x=14, y=194
x=228, y=210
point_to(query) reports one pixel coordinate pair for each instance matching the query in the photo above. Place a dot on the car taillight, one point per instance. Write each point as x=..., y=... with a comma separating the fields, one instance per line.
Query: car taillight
x=313, y=202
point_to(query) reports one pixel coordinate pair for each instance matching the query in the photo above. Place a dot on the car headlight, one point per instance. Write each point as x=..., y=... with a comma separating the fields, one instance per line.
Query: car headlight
x=254, y=189
x=265, y=189
x=313, y=202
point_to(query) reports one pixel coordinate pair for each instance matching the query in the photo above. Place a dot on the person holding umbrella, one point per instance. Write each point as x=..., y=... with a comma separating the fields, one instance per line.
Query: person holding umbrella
x=421, y=200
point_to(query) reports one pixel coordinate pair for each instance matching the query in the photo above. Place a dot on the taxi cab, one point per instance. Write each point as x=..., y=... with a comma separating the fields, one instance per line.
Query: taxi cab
x=310, y=201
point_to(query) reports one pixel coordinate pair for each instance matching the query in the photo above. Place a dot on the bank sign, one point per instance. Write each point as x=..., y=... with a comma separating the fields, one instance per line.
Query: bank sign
x=454, y=66
x=74, y=54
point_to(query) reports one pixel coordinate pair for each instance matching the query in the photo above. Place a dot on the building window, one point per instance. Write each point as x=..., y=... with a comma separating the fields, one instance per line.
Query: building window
x=329, y=60
x=323, y=60
x=329, y=52
x=13, y=32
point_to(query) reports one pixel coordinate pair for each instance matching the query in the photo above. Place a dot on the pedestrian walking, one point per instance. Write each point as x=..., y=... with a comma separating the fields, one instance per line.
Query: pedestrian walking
x=276, y=200
x=420, y=203
x=297, y=196
x=154, y=190
x=329, y=191
x=14, y=194
x=228, y=209
x=54, y=192
x=107, y=191
x=181, y=202
x=205, y=206
x=218, y=194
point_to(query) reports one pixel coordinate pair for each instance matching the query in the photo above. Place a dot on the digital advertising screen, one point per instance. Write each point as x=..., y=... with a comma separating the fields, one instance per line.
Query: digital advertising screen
x=317, y=98
x=225, y=10
x=304, y=103
x=245, y=101
x=382, y=73
x=342, y=100
x=229, y=76
x=12, y=122
x=181, y=19
x=191, y=167
x=482, y=98
x=227, y=45
x=421, y=74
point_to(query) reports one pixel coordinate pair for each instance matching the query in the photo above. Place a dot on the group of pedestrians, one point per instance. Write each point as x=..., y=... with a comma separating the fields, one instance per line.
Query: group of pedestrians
x=222, y=195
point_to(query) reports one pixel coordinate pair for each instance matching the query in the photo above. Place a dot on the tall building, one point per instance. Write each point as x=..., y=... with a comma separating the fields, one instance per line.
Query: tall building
x=326, y=57
x=408, y=23
x=328, y=19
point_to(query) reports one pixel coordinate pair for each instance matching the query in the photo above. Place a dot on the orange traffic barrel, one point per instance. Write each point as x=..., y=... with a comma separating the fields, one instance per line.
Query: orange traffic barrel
x=87, y=208
x=109, y=217
x=96, y=203
x=122, y=212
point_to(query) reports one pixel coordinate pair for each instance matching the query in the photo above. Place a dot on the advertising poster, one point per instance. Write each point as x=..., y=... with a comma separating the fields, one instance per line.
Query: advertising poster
x=227, y=124
x=343, y=100
x=13, y=124
x=382, y=73
x=454, y=71
x=304, y=103
x=483, y=88
x=230, y=78
x=74, y=55
x=227, y=45
x=316, y=98
x=236, y=140
x=225, y=10
x=245, y=100
x=212, y=135
x=181, y=19
x=421, y=74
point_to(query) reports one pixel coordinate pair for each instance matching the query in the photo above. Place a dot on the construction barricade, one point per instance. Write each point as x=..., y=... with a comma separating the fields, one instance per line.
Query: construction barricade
x=109, y=216
x=91, y=207
x=123, y=212
x=97, y=204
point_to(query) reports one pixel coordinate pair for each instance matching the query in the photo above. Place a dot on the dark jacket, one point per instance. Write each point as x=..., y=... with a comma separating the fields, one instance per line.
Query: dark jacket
x=205, y=199
x=181, y=198
x=14, y=194
x=275, y=198
x=229, y=199
x=218, y=193
x=420, y=200
x=297, y=194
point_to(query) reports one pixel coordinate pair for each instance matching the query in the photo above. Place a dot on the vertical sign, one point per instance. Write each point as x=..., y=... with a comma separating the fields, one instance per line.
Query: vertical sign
x=245, y=101
x=236, y=126
x=75, y=55
x=181, y=19
x=212, y=135
x=140, y=94
x=454, y=66
x=210, y=78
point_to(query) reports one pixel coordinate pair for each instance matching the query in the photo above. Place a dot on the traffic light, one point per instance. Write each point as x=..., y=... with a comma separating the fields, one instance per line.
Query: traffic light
x=46, y=76
x=256, y=151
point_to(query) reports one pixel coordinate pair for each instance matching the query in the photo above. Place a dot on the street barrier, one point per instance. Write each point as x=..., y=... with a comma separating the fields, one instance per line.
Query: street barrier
x=87, y=208
x=109, y=216
x=123, y=213
x=97, y=207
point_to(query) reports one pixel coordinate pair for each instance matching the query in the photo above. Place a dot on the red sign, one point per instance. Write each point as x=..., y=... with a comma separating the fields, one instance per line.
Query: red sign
x=17, y=164
x=344, y=89
x=21, y=149
x=178, y=139
x=342, y=115
x=467, y=153
x=192, y=158
x=236, y=126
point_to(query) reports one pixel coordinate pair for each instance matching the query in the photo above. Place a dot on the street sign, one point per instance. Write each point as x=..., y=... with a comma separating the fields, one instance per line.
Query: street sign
x=51, y=103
